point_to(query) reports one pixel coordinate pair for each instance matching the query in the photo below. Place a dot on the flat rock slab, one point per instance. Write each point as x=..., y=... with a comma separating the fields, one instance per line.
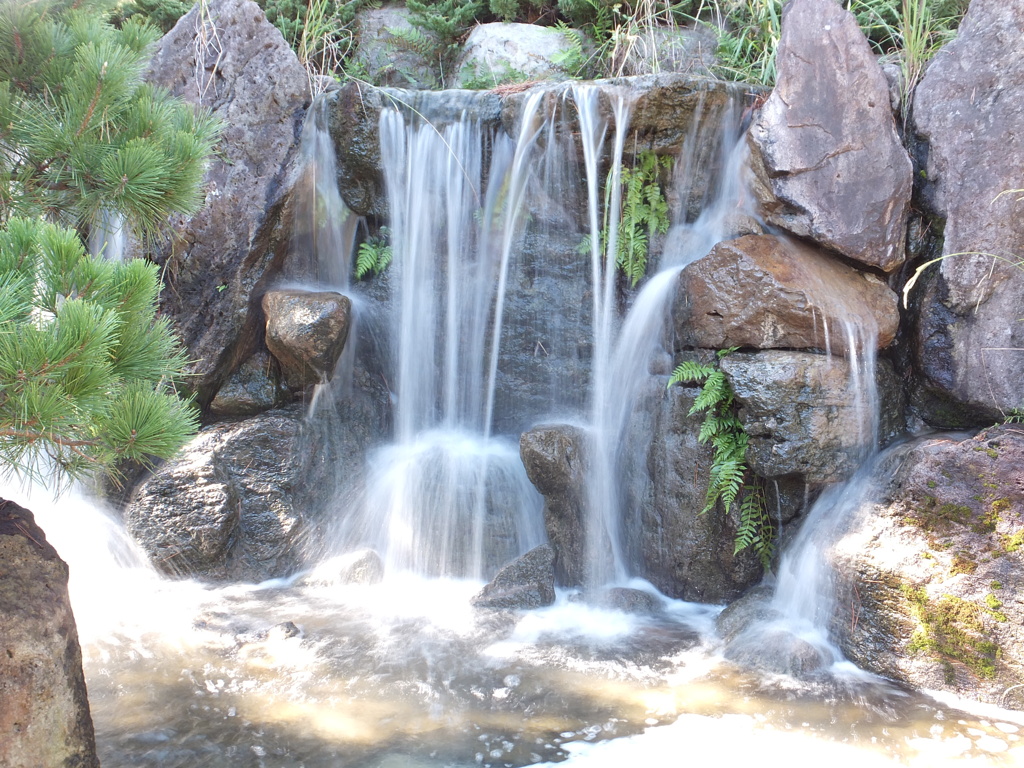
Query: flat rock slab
x=825, y=147
x=771, y=292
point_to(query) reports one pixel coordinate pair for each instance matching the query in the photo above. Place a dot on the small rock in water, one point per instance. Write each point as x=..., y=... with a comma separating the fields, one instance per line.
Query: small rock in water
x=363, y=566
x=634, y=601
x=526, y=582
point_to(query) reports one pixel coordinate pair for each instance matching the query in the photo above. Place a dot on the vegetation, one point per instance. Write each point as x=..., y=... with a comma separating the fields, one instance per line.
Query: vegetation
x=952, y=629
x=86, y=370
x=729, y=479
x=374, y=255
x=644, y=214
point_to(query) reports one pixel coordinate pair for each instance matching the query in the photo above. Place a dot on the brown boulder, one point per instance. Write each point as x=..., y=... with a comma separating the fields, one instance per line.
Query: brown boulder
x=44, y=708
x=830, y=163
x=306, y=332
x=771, y=292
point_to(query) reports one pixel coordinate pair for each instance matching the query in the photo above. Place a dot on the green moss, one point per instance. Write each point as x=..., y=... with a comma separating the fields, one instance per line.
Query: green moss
x=993, y=606
x=932, y=484
x=987, y=522
x=1014, y=542
x=963, y=563
x=951, y=630
x=996, y=584
x=1000, y=505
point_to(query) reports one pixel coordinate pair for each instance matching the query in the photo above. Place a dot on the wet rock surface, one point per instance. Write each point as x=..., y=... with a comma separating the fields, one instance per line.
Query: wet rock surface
x=807, y=414
x=233, y=505
x=770, y=292
x=967, y=335
x=527, y=582
x=44, y=707
x=930, y=578
x=555, y=460
x=829, y=161
x=306, y=332
x=214, y=260
x=684, y=553
x=252, y=389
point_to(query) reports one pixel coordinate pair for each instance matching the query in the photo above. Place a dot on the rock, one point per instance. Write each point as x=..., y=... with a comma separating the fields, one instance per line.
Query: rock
x=233, y=505
x=660, y=49
x=968, y=333
x=829, y=161
x=753, y=608
x=306, y=332
x=527, y=582
x=628, y=600
x=555, y=459
x=685, y=554
x=363, y=566
x=353, y=121
x=385, y=57
x=929, y=579
x=498, y=53
x=250, y=390
x=214, y=260
x=807, y=414
x=769, y=292
x=44, y=708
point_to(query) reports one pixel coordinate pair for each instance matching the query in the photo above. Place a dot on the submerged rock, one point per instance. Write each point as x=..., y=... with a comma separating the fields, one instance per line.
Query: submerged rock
x=628, y=600
x=527, y=582
x=968, y=334
x=306, y=332
x=830, y=163
x=233, y=505
x=364, y=566
x=214, y=260
x=929, y=579
x=768, y=292
x=555, y=460
x=44, y=708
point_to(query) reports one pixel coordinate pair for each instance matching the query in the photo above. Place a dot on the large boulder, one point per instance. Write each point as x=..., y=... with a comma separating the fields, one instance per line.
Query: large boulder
x=225, y=56
x=810, y=415
x=967, y=112
x=930, y=578
x=767, y=292
x=233, y=505
x=306, y=332
x=497, y=53
x=555, y=459
x=825, y=148
x=44, y=708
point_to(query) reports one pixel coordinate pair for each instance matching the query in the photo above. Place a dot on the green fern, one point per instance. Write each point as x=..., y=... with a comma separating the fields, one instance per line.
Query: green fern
x=373, y=255
x=728, y=476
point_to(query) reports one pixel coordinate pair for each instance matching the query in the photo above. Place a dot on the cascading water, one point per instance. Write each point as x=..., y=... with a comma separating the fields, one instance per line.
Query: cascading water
x=313, y=673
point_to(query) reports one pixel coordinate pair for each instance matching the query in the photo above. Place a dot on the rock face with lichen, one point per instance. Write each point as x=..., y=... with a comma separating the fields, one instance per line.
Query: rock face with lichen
x=930, y=580
x=44, y=708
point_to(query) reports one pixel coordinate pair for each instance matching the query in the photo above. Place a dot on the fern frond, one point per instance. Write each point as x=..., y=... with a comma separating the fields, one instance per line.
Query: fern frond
x=689, y=371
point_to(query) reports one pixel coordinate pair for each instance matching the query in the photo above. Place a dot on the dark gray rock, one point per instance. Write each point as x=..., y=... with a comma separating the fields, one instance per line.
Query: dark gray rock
x=752, y=608
x=215, y=260
x=929, y=579
x=825, y=148
x=769, y=292
x=233, y=505
x=306, y=332
x=44, y=707
x=527, y=582
x=497, y=53
x=806, y=414
x=385, y=57
x=686, y=554
x=250, y=390
x=968, y=334
x=555, y=460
